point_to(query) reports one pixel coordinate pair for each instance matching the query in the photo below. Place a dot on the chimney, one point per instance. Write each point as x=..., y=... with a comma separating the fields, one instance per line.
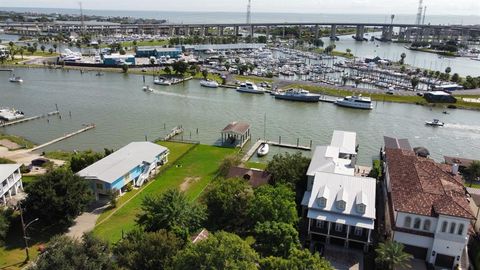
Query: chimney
x=454, y=168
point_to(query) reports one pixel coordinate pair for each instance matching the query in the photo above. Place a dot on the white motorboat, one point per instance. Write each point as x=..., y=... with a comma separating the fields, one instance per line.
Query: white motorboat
x=263, y=150
x=7, y=114
x=249, y=87
x=147, y=88
x=15, y=79
x=209, y=83
x=434, y=123
x=356, y=102
x=69, y=56
x=298, y=95
x=162, y=81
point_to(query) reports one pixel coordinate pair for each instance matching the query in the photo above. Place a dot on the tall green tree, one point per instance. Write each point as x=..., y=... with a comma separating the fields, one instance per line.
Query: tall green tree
x=81, y=160
x=391, y=255
x=289, y=169
x=171, y=211
x=63, y=252
x=147, y=250
x=275, y=239
x=4, y=225
x=276, y=204
x=473, y=171
x=227, y=203
x=221, y=250
x=58, y=197
x=299, y=259
x=414, y=81
x=180, y=67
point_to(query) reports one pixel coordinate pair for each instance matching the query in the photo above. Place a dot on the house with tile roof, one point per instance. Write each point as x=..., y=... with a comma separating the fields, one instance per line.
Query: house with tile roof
x=428, y=207
x=339, y=206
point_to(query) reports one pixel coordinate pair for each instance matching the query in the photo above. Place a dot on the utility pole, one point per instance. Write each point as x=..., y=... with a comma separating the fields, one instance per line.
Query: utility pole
x=249, y=14
x=24, y=229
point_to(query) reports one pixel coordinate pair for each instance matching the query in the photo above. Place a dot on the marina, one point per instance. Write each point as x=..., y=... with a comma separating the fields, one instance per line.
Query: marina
x=114, y=103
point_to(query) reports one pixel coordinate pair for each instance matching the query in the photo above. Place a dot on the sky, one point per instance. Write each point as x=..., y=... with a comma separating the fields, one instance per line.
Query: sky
x=440, y=7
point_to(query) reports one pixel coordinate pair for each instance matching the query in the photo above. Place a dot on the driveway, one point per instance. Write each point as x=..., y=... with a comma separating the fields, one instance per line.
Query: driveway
x=344, y=259
x=86, y=221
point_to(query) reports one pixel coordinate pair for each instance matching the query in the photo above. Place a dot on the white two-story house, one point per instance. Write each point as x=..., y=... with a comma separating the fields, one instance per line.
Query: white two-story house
x=10, y=181
x=339, y=206
x=428, y=207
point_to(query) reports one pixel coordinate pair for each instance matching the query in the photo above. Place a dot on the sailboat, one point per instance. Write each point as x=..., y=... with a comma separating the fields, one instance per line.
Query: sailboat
x=264, y=147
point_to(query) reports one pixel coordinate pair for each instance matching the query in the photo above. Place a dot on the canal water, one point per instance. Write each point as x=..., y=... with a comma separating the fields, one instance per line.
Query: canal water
x=122, y=113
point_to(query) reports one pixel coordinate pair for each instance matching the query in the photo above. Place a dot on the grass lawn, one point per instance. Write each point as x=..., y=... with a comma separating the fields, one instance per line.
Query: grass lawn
x=22, y=142
x=28, y=179
x=474, y=185
x=256, y=165
x=198, y=166
x=60, y=155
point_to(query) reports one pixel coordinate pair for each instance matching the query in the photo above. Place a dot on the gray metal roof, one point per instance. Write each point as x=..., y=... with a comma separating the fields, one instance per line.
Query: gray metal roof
x=7, y=169
x=122, y=161
x=394, y=143
x=346, y=141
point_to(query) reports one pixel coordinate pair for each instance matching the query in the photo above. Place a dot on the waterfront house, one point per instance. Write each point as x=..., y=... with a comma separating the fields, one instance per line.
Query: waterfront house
x=338, y=205
x=133, y=163
x=428, y=209
x=10, y=181
x=236, y=134
x=157, y=52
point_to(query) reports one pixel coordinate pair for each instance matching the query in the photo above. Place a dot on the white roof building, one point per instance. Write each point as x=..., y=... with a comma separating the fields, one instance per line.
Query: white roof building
x=133, y=162
x=10, y=181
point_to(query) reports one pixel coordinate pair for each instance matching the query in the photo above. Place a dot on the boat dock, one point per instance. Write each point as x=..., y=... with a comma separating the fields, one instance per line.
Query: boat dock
x=66, y=136
x=174, y=132
x=177, y=81
x=292, y=146
x=252, y=151
x=6, y=69
x=6, y=124
x=327, y=99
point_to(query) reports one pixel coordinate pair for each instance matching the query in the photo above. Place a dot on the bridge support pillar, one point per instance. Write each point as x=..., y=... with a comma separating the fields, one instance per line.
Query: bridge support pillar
x=317, y=32
x=333, y=32
x=300, y=31
x=252, y=31
x=360, y=32
x=283, y=33
x=236, y=30
x=387, y=33
x=267, y=31
x=171, y=31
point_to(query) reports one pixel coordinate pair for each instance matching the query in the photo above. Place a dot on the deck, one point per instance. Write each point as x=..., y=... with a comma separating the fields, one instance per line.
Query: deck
x=66, y=136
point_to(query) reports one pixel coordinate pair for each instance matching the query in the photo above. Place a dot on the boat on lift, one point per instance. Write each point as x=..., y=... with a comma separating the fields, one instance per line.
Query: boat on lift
x=434, y=123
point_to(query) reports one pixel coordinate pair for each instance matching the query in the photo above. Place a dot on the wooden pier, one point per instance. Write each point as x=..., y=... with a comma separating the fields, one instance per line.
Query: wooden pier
x=28, y=119
x=327, y=99
x=292, y=146
x=174, y=132
x=252, y=151
x=66, y=136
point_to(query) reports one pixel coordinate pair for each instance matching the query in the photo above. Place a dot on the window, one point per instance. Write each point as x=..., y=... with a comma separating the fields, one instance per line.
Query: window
x=358, y=231
x=322, y=202
x=426, y=225
x=416, y=223
x=408, y=222
x=319, y=224
x=338, y=227
x=361, y=208
x=460, y=229
x=341, y=205
x=452, y=228
x=99, y=186
x=444, y=226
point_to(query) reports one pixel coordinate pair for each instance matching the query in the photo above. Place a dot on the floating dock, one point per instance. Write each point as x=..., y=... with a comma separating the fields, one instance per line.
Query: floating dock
x=257, y=144
x=66, y=136
x=6, y=124
x=292, y=146
x=252, y=151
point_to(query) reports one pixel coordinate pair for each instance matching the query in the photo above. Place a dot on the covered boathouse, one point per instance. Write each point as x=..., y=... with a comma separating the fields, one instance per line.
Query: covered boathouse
x=236, y=134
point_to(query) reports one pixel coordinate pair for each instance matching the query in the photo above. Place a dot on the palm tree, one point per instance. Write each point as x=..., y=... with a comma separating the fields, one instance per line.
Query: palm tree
x=414, y=81
x=348, y=51
x=473, y=171
x=391, y=255
x=402, y=58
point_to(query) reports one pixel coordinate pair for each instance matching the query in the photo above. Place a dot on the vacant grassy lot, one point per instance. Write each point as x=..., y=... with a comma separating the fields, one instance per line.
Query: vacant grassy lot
x=191, y=173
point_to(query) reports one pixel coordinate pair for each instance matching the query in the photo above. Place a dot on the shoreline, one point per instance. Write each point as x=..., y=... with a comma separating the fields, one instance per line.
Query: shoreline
x=326, y=89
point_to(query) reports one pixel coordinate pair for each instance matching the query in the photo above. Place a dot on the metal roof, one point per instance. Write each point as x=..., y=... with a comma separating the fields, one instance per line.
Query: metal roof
x=346, y=141
x=7, y=169
x=236, y=127
x=326, y=159
x=119, y=163
x=394, y=143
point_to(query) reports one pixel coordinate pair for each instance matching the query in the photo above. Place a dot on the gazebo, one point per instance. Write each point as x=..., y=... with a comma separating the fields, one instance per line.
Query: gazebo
x=236, y=134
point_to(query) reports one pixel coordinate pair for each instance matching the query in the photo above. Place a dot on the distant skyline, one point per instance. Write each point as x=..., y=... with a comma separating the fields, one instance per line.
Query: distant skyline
x=434, y=7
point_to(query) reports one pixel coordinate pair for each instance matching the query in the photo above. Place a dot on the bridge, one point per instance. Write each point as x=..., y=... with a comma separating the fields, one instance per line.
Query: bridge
x=406, y=32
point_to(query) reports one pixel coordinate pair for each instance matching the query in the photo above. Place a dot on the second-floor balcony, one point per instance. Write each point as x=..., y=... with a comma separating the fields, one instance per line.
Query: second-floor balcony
x=452, y=237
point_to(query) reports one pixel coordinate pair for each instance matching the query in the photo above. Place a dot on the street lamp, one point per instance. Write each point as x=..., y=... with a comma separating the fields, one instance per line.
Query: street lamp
x=24, y=229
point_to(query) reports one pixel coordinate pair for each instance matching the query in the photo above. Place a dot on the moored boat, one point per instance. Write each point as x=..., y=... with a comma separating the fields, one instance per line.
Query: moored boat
x=249, y=87
x=147, y=88
x=8, y=114
x=298, y=95
x=356, y=102
x=15, y=79
x=209, y=83
x=162, y=81
x=263, y=150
